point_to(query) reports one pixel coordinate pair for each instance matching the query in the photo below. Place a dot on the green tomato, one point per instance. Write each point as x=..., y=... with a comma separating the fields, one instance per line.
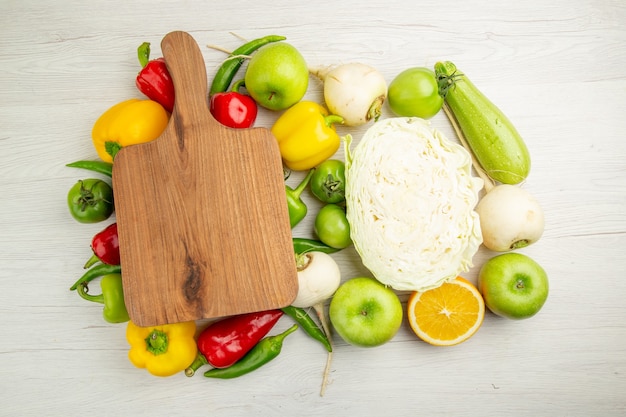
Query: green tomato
x=332, y=227
x=328, y=182
x=90, y=200
x=415, y=93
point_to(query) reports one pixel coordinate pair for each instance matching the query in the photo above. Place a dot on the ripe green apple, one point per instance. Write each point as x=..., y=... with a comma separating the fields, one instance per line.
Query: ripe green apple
x=277, y=76
x=365, y=313
x=513, y=285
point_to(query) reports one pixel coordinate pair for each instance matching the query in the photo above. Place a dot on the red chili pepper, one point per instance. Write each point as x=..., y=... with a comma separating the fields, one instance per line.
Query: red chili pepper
x=226, y=341
x=154, y=80
x=234, y=109
x=105, y=247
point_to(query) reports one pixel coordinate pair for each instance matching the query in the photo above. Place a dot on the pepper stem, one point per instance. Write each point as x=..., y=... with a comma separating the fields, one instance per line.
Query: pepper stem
x=156, y=342
x=300, y=188
x=238, y=85
x=196, y=364
x=331, y=119
x=280, y=337
x=92, y=261
x=112, y=148
x=82, y=291
x=143, y=53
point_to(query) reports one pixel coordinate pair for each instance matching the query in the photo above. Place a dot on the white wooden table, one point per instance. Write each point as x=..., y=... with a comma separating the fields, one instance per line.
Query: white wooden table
x=558, y=69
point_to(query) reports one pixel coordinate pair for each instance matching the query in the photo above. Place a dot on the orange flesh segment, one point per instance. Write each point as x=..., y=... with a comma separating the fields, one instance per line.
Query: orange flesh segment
x=448, y=314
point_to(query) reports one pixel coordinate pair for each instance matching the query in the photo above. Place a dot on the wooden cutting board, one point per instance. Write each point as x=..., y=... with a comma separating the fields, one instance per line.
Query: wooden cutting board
x=202, y=215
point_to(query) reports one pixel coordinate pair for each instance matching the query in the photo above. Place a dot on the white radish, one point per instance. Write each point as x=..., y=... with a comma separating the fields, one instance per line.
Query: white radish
x=353, y=91
x=510, y=218
x=319, y=277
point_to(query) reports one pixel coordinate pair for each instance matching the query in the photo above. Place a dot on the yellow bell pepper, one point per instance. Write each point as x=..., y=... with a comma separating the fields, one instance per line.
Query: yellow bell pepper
x=128, y=123
x=306, y=135
x=162, y=350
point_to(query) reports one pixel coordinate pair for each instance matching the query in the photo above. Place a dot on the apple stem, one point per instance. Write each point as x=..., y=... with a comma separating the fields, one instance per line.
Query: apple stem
x=319, y=309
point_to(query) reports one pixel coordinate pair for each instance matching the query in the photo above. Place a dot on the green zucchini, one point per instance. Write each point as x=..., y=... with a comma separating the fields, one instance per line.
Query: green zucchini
x=490, y=135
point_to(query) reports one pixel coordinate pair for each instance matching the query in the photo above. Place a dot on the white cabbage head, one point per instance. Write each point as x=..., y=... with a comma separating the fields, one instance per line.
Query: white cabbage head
x=410, y=199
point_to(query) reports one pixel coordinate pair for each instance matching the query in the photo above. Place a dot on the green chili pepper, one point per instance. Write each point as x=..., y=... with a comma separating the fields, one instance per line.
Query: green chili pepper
x=297, y=208
x=101, y=167
x=229, y=68
x=302, y=245
x=308, y=325
x=112, y=297
x=95, y=272
x=263, y=352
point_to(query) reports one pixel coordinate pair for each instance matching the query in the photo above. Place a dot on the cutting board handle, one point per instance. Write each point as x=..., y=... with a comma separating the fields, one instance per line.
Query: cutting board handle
x=186, y=66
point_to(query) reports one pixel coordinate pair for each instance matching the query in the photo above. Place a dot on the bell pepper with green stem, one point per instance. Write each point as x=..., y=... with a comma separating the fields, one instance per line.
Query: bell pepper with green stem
x=105, y=246
x=297, y=207
x=154, y=80
x=233, y=109
x=127, y=123
x=112, y=297
x=306, y=135
x=162, y=350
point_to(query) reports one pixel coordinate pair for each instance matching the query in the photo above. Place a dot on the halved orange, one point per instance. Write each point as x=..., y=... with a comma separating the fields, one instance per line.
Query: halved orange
x=446, y=315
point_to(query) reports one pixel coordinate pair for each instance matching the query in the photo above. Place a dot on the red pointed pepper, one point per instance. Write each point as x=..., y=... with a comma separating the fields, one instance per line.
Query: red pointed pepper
x=106, y=247
x=234, y=109
x=154, y=80
x=226, y=341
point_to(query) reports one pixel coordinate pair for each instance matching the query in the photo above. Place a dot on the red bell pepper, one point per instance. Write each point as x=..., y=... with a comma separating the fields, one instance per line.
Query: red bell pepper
x=154, y=80
x=226, y=341
x=233, y=109
x=106, y=247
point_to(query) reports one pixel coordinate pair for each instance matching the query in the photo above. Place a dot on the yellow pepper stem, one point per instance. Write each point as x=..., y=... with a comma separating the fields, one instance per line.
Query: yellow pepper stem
x=333, y=119
x=156, y=342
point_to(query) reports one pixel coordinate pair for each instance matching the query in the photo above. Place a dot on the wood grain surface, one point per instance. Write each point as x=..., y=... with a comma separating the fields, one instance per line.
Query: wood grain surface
x=203, y=225
x=558, y=71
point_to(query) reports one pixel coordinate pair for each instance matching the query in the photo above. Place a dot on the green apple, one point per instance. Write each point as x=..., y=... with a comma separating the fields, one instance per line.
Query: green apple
x=513, y=285
x=277, y=76
x=365, y=313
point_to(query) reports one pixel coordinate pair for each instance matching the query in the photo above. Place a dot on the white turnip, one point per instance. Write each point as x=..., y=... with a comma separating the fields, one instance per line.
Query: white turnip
x=319, y=277
x=354, y=91
x=510, y=218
